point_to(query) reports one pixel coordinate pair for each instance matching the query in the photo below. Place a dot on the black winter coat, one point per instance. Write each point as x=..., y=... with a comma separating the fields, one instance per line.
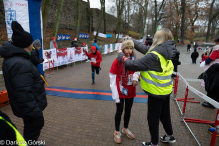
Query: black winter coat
x=35, y=57
x=194, y=55
x=74, y=44
x=23, y=82
x=211, y=78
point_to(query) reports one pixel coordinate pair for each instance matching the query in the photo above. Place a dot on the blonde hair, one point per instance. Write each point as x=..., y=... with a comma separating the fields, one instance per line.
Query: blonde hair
x=160, y=37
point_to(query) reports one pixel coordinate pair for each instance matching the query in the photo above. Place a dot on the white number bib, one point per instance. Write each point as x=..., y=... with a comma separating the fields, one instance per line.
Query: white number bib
x=93, y=59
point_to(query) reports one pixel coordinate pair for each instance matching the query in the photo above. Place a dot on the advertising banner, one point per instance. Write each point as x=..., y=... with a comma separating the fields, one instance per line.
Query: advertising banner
x=109, y=35
x=83, y=36
x=62, y=56
x=16, y=11
x=49, y=55
x=84, y=56
x=111, y=48
x=105, y=49
x=59, y=38
x=68, y=37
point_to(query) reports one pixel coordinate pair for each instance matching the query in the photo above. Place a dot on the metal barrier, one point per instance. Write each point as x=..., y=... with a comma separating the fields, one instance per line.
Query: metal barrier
x=203, y=96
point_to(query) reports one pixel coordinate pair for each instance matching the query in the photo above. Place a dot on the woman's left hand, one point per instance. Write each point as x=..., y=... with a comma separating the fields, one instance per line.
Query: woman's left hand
x=135, y=83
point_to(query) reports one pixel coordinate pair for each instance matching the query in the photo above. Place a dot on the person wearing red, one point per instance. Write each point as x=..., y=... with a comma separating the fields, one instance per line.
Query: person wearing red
x=95, y=58
x=53, y=44
x=123, y=85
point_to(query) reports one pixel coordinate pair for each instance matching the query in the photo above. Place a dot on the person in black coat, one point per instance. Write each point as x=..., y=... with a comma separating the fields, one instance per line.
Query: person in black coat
x=35, y=53
x=149, y=41
x=23, y=82
x=74, y=43
x=176, y=62
x=188, y=47
x=194, y=56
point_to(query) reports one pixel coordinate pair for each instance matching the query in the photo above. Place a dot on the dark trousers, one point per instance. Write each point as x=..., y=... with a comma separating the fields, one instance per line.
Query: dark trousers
x=188, y=49
x=93, y=69
x=32, y=128
x=119, y=110
x=158, y=110
x=194, y=60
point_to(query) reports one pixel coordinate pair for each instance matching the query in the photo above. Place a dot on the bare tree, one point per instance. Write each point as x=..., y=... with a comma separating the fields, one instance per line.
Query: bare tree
x=211, y=18
x=183, y=8
x=56, y=28
x=45, y=14
x=102, y=2
x=144, y=6
x=89, y=16
x=120, y=6
x=78, y=19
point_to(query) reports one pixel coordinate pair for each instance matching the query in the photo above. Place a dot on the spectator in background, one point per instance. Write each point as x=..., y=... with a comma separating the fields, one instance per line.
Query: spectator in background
x=149, y=41
x=176, y=62
x=188, y=47
x=53, y=44
x=74, y=43
x=195, y=45
x=95, y=44
x=23, y=82
x=194, y=56
x=204, y=56
x=35, y=53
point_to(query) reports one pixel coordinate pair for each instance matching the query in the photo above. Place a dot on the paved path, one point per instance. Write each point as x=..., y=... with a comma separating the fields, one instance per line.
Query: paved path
x=79, y=122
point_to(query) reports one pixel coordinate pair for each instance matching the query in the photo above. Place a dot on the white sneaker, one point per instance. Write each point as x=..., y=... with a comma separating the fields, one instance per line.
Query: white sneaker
x=128, y=133
x=117, y=137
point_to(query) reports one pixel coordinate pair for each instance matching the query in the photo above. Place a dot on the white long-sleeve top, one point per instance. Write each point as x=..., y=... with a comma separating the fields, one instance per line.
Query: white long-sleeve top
x=113, y=86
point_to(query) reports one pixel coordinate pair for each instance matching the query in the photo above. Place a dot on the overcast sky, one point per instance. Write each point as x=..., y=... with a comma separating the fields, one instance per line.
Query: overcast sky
x=96, y=3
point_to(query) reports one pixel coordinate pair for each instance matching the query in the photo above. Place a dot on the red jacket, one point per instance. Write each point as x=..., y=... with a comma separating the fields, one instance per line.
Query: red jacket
x=97, y=57
x=117, y=69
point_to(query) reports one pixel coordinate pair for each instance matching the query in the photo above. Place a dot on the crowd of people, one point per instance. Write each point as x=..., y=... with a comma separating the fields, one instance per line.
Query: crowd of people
x=27, y=95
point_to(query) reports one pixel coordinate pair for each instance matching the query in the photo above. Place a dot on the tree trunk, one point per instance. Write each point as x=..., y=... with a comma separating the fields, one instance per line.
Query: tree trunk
x=89, y=16
x=120, y=7
x=45, y=14
x=145, y=16
x=104, y=17
x=100, y=19
x=155, y=12
x=183, y=7
x=56, y=27
x=78, y=19
x=128, y=16
x=209, y=21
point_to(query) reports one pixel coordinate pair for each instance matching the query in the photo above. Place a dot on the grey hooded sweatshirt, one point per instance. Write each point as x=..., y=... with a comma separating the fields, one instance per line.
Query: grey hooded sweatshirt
x=150, y=61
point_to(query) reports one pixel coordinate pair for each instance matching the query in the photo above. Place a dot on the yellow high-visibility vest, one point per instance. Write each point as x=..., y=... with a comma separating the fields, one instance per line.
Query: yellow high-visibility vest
x=158, y=83
x=19, y=138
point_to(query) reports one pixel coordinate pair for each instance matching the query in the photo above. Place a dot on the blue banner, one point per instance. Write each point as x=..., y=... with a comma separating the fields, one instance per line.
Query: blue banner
x=59, y=37
x=63, y=37
x=109, y=35
x=68, y=37
x=83, y=36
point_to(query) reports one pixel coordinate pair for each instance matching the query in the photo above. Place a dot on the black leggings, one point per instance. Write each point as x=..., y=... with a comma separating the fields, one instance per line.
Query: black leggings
x=93, y=68
x=158, y=110
x=119, y=110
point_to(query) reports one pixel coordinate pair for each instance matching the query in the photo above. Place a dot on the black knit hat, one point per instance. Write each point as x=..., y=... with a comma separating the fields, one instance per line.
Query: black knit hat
x=95, y=41
x=20, y=38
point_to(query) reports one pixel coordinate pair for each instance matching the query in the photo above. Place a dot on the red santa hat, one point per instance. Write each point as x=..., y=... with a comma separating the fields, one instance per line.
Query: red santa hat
x=53, y=38
x=84, y=44
x=74, y=39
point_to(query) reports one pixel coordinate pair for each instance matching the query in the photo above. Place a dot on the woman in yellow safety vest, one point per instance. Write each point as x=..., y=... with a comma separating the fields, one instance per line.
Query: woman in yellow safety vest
x=156, y=69
x=9, y=135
